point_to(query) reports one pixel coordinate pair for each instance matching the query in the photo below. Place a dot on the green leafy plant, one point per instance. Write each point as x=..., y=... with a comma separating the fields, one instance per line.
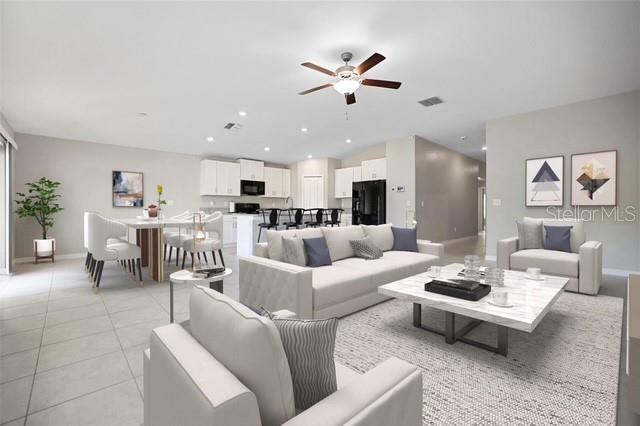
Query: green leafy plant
x=40, y=202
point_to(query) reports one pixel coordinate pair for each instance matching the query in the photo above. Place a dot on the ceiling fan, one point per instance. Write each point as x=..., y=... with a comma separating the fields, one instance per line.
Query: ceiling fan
x=349, y=78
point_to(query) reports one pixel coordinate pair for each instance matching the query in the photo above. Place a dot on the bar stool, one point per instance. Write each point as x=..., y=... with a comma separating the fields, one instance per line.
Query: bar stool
x=296, y=221
x=274, y=219
x=314, y=223
x=336, y=215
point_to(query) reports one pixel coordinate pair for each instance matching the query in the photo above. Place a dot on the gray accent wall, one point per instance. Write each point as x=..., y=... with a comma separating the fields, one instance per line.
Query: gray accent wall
x=607, y=123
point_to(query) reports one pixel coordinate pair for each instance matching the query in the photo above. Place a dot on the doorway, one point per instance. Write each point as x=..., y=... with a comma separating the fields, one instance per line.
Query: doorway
x=482, y=209
x=312, y=192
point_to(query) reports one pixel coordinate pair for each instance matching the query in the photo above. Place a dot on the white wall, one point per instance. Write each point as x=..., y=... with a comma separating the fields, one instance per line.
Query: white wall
x=401, y=170
x=607, y=123
x=84, y=169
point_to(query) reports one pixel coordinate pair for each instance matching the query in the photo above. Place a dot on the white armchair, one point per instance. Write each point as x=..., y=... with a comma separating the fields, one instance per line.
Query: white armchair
x=582, y=266
x=104, y=244
x=230, y=369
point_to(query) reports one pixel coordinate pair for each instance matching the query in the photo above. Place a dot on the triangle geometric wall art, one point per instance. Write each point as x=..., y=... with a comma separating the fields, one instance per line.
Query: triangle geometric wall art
x=544, y=181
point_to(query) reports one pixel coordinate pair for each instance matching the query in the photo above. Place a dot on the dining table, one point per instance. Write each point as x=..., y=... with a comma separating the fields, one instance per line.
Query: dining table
x=149, y=237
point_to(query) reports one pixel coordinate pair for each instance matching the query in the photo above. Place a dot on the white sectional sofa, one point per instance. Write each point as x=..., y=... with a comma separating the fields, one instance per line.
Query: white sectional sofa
x=230, y=369
x=348, y=285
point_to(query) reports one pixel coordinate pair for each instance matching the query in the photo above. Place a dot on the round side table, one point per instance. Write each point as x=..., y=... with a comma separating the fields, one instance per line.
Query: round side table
x=186, y=277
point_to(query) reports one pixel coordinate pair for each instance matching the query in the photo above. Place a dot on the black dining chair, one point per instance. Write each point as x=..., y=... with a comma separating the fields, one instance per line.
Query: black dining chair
x=336, y=216
x=315, y=220
x=295, y=221
x=272, y=222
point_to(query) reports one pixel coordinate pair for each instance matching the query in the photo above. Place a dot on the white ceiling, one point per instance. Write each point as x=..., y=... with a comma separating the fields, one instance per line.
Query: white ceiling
x=84, y=70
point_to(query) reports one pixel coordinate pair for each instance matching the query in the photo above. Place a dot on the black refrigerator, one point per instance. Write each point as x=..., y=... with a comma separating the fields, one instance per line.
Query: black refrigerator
x=369, y=202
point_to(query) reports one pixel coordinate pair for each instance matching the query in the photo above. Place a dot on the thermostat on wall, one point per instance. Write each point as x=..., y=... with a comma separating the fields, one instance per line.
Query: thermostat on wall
x=400, y=188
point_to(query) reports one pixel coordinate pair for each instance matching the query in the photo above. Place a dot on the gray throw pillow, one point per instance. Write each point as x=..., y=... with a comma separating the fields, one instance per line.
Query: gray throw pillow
x=405, y=239
x=293, y=251
x=309, y=346
x=366, y=248
x=529, y=233
x=317, y=251
x=558, y=238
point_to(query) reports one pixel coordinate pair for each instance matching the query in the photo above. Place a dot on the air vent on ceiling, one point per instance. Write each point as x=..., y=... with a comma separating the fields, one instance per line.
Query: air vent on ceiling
x=233, y=126
x=434, y=100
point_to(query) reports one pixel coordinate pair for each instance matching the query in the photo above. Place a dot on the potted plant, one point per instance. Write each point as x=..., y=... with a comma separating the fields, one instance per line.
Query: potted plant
x=41, y=203
x=154, y=209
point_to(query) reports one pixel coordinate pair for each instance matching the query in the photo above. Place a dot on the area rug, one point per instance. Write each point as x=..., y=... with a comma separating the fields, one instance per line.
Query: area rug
x=564, y=373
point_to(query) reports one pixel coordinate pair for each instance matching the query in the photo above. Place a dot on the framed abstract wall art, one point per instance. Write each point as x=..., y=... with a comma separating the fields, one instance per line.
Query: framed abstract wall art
x=544, y=181
x=127, y=189
x=594, y=178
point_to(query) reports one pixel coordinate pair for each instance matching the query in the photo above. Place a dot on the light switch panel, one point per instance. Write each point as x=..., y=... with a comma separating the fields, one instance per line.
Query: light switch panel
x=497, y=202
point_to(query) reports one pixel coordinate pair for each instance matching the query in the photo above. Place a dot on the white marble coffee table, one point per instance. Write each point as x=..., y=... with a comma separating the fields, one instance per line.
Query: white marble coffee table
x=531, y=301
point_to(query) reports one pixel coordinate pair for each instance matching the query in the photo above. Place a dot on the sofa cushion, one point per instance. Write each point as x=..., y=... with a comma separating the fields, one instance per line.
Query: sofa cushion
x=578, y=236
x=317, y=252
x=274, y=239
x=381, y=235
x=529, y=233
x=249, y=346
x=365, y=248
x=558, y=238
x=381, y=271
x=345, y=375
x=338, y=240
x=337, y=283
x=293, y=251
x=309, y=345
x=405, y=239
x=418, y=262
x=549, y=261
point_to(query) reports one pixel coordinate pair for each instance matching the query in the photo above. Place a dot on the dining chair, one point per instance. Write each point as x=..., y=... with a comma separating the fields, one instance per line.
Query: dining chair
x=316, y=220
x=122, y=234
x=212, y=242
x=273, y=222
x=104, y=244
x=170, y=232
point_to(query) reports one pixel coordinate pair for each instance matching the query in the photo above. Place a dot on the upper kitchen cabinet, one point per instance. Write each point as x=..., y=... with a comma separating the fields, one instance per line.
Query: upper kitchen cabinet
x=357, y=174
x=374, y=169
x=251, y=170
x=228, y=178
x=286, y=183
x=277, y=182
x=343, y=182
x=208, y=177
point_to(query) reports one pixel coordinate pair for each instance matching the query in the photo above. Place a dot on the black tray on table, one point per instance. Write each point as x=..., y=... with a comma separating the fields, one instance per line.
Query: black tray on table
x=447, y=289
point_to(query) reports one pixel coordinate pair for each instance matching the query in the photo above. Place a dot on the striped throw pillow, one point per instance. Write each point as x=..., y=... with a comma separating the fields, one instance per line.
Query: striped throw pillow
x=309, y=347
x=366, y=248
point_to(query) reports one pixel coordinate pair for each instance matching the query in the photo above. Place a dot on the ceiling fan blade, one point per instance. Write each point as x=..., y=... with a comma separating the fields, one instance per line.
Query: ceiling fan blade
x=381, y=83
x=318, y=68
x=350, y=97
x=369, y=63
x=324, y=86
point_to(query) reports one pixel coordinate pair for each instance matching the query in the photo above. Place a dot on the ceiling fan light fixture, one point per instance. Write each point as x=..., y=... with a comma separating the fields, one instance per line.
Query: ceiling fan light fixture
x=346, y=86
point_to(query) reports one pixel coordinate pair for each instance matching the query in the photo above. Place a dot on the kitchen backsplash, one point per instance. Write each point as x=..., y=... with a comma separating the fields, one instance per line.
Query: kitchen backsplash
x=222, y=203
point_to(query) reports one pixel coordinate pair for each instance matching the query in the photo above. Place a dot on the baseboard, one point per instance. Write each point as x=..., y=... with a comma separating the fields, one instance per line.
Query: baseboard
x=458, y=240
x=58, y=257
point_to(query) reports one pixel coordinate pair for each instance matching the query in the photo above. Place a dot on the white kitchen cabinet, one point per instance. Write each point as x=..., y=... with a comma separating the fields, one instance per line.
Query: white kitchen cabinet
x=228, y=178
x=374, y=169
x=286, y=183
x=343, y=182
x=208, y=177
x=357, y=174
x=251, y=170
x=229, y=230
x=272, y=182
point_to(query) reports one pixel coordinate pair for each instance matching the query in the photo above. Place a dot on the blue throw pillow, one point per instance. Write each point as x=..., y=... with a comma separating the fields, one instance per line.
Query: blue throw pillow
x=405, y=239
x=558, y=238
x=317, y=251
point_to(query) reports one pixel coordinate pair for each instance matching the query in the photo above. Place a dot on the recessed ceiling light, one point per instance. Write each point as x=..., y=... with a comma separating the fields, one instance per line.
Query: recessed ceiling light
x=242, y=113
x=209, y=138
x=484, y=148
x=304, y=129
x=266, y=148
x=142, y=114
x=463, y=138
x=347, y=140
x=309, y=156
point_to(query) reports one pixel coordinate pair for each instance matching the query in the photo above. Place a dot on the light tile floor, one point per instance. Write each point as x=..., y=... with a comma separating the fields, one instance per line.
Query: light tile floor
x=71, y=356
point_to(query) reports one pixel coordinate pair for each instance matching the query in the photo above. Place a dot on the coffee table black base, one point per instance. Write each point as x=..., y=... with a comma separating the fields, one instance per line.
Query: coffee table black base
x=451, y=335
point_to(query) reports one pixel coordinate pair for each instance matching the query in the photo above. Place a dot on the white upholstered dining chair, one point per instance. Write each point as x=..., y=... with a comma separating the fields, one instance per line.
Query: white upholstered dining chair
x=213, y=241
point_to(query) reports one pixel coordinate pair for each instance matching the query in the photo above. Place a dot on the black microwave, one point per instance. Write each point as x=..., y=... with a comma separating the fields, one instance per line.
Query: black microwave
x=251, y=187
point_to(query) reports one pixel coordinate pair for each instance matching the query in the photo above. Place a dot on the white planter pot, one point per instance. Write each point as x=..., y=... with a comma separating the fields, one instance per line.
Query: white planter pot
x=44, y=248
